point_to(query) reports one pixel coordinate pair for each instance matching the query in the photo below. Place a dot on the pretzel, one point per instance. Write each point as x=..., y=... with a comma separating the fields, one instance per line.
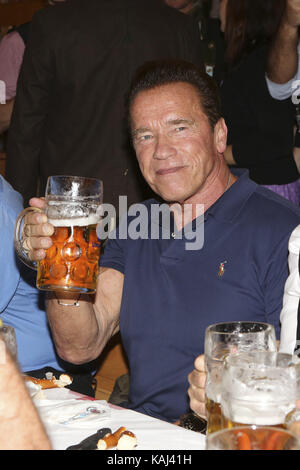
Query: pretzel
x=127, y=441
x=110, y=440
x=63, y=380
x=44, y=383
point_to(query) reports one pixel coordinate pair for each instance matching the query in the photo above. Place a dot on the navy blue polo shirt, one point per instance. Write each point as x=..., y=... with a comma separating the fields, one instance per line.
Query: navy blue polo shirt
x=172, y=294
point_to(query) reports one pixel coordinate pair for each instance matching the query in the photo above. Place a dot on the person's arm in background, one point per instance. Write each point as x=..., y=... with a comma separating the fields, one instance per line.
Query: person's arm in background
x=11, y=55
x=282, y=66
x=26, y=132
x=20, y=424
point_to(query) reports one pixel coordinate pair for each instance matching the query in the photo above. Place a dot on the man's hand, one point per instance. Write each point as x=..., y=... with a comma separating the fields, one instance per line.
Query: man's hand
x=196, y=391
x=37, y=231
x=292, y=13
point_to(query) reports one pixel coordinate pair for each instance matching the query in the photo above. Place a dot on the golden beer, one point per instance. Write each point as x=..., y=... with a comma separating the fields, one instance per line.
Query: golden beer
x=259, y=388
x=71, y=264
x=253, y=438
x=214, y=417
x=227, y=423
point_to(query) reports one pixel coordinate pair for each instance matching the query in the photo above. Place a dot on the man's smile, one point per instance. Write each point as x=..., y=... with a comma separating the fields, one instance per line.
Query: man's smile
x=168, y=171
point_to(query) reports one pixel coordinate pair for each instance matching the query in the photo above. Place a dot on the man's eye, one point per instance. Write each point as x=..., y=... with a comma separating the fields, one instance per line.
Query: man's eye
x=180, y=129
x=145, y=137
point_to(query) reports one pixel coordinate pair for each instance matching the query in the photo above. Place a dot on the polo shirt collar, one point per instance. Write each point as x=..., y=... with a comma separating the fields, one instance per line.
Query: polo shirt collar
x=228, y=207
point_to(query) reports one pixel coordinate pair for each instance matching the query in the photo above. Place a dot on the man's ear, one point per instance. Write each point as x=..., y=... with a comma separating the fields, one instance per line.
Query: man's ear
x=220, y=136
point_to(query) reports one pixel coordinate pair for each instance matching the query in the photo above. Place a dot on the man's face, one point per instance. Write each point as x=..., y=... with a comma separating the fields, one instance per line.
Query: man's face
x=174, y=143
x=179, y=4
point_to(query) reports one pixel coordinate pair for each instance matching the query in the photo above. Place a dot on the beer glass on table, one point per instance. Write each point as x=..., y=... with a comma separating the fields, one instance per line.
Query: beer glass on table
x=259, y=388
x=253, y=438
x=73, y=206
x=222, y=339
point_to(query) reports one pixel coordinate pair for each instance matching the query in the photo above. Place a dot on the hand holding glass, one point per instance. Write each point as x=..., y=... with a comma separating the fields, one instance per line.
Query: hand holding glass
x=73, y=208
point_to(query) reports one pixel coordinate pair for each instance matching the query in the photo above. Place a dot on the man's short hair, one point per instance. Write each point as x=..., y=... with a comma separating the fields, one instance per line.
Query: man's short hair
x=157, y=73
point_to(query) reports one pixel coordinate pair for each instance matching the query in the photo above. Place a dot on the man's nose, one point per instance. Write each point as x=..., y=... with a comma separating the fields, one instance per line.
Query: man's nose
x=163, y=148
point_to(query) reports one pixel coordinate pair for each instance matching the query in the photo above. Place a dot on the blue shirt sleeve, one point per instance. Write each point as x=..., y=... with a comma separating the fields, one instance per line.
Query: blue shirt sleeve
x=10, y=206
x=115, y=250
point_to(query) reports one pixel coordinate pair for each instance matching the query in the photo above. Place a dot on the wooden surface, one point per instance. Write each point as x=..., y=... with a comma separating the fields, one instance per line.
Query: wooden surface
x=13, y=14
x=113, y=364
x=2, y=163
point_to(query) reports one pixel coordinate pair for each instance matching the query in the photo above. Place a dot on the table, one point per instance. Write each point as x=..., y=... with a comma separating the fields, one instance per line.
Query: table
x=151, y=433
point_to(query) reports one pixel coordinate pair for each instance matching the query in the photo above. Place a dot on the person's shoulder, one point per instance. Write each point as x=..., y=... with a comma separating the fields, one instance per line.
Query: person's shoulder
x=274, y=208
x=59, y=12
x=158, y=10
x=10, y=200
x=11, y=43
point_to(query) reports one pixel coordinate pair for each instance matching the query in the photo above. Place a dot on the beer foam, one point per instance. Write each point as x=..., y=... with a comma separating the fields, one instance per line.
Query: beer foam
x=75, y=222
x=213, y=394
x=260, y=414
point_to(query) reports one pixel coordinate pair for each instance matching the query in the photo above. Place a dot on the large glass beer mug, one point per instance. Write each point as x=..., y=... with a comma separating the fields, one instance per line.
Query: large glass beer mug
x=259, y=388
x=222, y=339
x=73, y=207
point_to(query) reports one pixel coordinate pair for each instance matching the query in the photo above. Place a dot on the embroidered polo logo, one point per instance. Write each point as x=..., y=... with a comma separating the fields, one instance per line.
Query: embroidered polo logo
x=222, y=269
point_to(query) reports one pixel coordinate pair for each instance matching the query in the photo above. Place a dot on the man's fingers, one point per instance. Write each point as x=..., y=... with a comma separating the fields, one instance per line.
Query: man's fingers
x=197, y=379
x=36, y=231
x=40, y=230
x=38, y=202
x=196, y=391
x=200, y=363
x=197, y=400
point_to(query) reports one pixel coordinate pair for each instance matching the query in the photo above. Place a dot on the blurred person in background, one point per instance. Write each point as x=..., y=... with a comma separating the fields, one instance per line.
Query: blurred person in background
x=283, y=70
x=284, y=57
x=206, y=15
x=260, y=128
x=12, y=47
x=69, y=113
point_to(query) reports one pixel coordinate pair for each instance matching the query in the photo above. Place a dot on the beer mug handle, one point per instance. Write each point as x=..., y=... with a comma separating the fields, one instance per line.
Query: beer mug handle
x=19, y=238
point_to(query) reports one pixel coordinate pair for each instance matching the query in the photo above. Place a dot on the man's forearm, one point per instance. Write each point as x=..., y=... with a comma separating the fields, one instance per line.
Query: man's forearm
x=79, y=333
x=20, y=424
x=282, y=62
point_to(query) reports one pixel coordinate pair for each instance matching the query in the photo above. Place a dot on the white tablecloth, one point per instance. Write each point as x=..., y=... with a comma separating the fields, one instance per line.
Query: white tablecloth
x=151, y=433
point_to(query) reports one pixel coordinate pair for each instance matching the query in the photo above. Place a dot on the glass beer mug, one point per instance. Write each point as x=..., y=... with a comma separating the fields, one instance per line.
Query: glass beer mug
x=259, y=388
x=222, y=339
x=73, y=207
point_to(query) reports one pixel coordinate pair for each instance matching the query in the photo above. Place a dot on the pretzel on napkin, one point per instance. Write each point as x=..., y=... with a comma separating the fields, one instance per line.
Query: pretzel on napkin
x=122, y=439
x=63, y=381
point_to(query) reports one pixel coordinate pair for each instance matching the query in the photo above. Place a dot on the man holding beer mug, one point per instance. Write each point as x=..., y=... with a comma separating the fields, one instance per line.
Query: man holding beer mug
x=160, y=291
